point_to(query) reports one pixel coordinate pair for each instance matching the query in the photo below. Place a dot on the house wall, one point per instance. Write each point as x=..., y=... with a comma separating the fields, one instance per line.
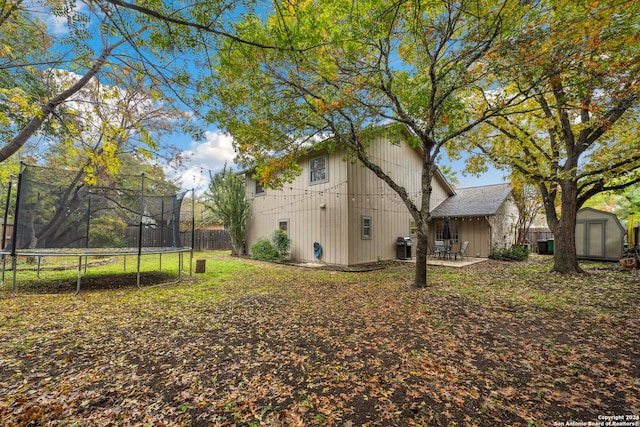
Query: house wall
x=482, y=232
x=331, y=213
x=503, y=225
x=475, y=230
x=301, y=204
x=370, y=196
x=599, y=235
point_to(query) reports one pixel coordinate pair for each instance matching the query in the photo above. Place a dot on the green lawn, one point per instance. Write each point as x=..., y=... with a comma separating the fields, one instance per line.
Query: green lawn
x=252, y=343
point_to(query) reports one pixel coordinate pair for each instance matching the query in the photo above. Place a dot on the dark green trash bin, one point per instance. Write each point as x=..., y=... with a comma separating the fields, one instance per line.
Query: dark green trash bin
x=550, y=244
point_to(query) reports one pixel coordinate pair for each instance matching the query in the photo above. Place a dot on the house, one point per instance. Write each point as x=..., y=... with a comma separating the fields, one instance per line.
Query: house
x=486, y=216
x=356, y=217
x=599, y=235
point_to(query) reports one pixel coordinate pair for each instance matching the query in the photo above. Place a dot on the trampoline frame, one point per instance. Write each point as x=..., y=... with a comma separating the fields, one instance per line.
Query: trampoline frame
x=85, y=252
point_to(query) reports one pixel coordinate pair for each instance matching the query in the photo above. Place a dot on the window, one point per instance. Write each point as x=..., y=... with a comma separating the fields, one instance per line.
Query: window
x=283, y=225
x=366, y=227
x=453, y=227
x=318, y=170
x=259, y=188
x=413, y=228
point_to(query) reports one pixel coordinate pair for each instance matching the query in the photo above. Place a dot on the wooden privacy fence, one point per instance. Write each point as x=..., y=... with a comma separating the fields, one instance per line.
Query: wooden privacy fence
x=538, y=233
x=8, y=230
x=205, y=240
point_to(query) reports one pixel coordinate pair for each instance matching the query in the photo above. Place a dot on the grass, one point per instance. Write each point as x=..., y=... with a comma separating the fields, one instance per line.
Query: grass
x=254, y=343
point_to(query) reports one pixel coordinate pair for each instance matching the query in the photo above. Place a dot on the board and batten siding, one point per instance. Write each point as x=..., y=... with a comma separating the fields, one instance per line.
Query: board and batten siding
x=331, y=212
x=475, y=230
x=314, y=212
x=483, y=232
x=372, y=197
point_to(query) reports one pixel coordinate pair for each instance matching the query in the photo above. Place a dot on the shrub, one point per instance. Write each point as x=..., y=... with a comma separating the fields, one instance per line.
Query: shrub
x=515, y=253
x=281, y=242
x=277, y=248
x=264, y=250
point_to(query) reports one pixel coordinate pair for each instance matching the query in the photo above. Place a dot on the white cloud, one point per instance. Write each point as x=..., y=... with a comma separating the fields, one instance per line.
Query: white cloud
x=213, y=152
x=59, y=24
x=208, y=155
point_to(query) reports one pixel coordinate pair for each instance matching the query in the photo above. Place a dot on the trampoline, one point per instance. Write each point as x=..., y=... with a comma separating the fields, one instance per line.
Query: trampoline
x=57, y=213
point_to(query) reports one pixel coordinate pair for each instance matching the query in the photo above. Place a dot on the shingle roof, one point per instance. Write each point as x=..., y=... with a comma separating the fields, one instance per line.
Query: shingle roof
x=473, y=201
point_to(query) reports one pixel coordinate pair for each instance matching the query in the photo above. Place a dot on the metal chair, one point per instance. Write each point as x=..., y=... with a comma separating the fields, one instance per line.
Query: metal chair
x=460, y=249
x=440, y=249
x=455, y=250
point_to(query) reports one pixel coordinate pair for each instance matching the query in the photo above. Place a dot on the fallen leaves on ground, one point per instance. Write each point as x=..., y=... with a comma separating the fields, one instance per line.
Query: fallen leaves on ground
x=495, y=343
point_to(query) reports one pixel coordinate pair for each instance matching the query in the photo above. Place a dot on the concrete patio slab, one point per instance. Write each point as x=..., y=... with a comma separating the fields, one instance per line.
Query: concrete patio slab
x=454, y=263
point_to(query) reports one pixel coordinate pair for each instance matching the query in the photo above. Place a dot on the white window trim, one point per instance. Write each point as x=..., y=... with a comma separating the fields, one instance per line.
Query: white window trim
x=363, y=236
x=281, y=220
x=326, y=170
x=413, y=224
x=454, y=228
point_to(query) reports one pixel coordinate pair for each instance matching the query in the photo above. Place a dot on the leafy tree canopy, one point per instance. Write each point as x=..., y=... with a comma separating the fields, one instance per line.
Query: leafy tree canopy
x=227, y=203
x=50, y=51
x=574, y=66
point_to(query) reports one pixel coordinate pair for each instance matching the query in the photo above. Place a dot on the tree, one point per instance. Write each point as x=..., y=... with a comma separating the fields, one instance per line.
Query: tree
x=106, y=124
x=226, y=200
x=575, y=65
x=166, y=47
x=351, y=68
x=24, y=42
x=108, y=133
x=450, y=174
x=527, y=200
x=43, y=103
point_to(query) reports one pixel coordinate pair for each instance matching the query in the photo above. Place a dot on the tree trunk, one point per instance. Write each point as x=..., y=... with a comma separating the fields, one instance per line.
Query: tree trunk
x=422, y=218
x=565, y=257
x=422, y=249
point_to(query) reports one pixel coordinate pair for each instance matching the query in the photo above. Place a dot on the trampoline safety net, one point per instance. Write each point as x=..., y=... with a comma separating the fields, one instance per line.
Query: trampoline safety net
x=57, y=209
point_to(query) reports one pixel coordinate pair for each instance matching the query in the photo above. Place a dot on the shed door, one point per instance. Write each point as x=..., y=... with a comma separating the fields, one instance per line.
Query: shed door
x=595, y=238
x=581, y=239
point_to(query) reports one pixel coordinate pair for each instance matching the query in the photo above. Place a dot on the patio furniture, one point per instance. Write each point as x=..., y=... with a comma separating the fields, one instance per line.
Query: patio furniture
x=455, y=250
x=460, y=249
x=441, y=250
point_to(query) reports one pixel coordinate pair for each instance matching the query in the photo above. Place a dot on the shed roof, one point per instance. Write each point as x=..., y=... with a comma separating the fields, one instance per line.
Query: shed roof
x=474, y=201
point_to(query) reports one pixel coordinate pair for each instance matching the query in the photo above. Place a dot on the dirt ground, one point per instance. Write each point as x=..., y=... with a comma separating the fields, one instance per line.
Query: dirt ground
x=491, y=344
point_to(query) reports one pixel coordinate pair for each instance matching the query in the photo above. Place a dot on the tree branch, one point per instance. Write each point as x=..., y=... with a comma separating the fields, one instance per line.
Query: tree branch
x=206, y=28
x=36, y=122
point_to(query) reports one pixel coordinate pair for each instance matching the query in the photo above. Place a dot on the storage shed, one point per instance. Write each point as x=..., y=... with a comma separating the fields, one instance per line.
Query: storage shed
x=599, y=235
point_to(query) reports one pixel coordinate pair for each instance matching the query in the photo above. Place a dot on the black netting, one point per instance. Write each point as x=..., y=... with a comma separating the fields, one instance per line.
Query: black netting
x=57, y=209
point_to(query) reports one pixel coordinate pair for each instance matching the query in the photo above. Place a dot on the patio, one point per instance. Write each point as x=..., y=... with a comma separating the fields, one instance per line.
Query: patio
x=446, y=262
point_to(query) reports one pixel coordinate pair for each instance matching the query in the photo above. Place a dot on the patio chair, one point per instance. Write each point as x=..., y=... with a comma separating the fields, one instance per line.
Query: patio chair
x=461, y=250
x=440, y=249
x=455, y=250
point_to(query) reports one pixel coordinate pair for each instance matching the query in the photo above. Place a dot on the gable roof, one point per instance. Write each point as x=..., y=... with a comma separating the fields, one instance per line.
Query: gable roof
x=339, y=152
x=473, y=201
x=600, y=213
